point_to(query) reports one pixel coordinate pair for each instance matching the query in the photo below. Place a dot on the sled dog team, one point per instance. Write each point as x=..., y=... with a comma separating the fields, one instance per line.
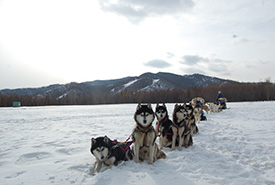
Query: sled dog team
x=177, y=132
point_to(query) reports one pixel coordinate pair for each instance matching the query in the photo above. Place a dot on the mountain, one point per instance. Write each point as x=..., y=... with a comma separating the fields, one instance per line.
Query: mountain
x=144, y=82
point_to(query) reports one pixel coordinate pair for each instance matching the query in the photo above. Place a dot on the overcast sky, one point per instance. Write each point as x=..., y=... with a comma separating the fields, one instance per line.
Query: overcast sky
x=45, y=42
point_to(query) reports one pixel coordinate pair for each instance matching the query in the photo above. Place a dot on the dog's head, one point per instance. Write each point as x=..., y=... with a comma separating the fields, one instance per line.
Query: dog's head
x=179, y=113
x=197, y=110
x=100, y=147
x=189, y=109
x=144, y=115
x=161, y=112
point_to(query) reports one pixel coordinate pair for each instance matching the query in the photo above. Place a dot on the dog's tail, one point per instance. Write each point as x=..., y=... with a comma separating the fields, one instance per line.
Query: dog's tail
x=161, y=155
x=129, y=155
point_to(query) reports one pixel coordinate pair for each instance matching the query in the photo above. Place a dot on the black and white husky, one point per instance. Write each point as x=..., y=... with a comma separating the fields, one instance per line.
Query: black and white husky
x=163, y=126
x=109, y=152
x=144, y=135
x=191, y=122
x=181, y=129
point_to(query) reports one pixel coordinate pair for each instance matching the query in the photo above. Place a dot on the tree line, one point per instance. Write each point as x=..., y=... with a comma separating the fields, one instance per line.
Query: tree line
x=236, y=92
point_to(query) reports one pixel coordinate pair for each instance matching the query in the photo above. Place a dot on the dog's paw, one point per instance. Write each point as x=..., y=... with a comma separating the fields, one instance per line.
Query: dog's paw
x=150, y=162
x=92, y=171
x=137, y=160
x=173, y=149
x=180, y=148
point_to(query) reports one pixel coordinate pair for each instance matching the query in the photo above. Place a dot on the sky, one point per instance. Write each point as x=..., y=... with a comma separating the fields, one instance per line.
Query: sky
x=45, y=42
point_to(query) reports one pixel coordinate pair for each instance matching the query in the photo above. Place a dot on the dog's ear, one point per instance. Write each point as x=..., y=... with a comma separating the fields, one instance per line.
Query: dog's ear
x=176, y=106
x=149, y=106
x=157, y=106
x=184, y=105
x=106, y=139
x=164, y=105
x=93, y=141
x=138, y=106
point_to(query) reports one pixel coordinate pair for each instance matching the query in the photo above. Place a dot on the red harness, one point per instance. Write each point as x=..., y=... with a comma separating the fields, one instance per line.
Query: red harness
x=127, y=147
x=161, y=123
x=187, y=133
x=166, y=133
x=145, y=134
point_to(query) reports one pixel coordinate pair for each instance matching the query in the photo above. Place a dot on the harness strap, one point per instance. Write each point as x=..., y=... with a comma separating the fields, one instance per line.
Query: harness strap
x=186, y=133
x=121, y=143
x=177, y=127
x=163, y=121
x=127, y=147
x=145, y=131
x=159, y=127
x=144, y=139
x=179, y=124
x=127, y=139
x=160, y=122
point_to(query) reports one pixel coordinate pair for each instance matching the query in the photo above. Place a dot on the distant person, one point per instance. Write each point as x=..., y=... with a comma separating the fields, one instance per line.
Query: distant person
x=203, y=117
x=221, y=100
x=220, y=96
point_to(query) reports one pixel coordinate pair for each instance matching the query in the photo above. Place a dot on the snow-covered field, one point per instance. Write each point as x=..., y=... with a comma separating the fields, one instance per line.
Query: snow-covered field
x=50, y=145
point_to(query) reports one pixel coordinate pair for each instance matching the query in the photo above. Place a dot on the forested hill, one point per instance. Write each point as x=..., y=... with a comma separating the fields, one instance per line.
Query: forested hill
x=145, y=82
x=148, y=87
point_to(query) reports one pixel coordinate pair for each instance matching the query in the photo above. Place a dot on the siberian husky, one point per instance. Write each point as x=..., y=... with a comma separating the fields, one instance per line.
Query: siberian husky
x=197, y=113
x=181, y=129
x=214, y=108
x=144, y=135
x=194, y=101
x=206, y=108
x=163, y=126
x=109, y=152
x=191, y=120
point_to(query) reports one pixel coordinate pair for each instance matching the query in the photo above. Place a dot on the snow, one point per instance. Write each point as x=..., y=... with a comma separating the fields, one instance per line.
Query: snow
x=62, y=96
x=50, y=145
x=124, y=86
x=156, y=84
x=130, y=83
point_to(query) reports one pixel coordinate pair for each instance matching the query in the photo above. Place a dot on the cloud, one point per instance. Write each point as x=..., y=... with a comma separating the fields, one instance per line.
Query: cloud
x=219, y=66
x=191, y=60
x=137, y=10
x=198, y=64
x=192, y=70
x=219, y=69
x=157, y=63
x=243, y=40
x=170, y=55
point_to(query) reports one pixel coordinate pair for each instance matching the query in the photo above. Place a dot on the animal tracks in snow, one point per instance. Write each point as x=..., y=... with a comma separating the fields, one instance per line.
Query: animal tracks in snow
x=15, y=175
x=32, y=157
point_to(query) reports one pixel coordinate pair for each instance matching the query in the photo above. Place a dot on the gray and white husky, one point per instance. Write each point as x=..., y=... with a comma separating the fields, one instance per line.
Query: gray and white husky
x=197, y=113
x=144, y=135
x=109, y=152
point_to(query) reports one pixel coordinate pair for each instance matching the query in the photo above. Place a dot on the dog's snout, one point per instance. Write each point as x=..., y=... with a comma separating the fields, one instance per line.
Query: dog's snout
x=102, y=157
x=144, y=121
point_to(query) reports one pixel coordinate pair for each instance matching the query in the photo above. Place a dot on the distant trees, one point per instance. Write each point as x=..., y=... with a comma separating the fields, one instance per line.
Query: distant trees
x=234, y=92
